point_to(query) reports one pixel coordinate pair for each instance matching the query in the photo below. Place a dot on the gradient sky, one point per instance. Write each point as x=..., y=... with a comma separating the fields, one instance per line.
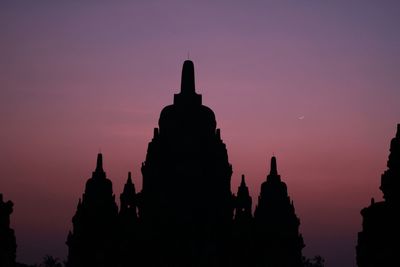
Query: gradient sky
x=79, y=76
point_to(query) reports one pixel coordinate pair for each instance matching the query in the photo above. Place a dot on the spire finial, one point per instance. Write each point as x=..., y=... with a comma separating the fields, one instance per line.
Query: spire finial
x=99, y=164
x=243, y=183
x=187, y=82
x=274, y=169
x=129, y=178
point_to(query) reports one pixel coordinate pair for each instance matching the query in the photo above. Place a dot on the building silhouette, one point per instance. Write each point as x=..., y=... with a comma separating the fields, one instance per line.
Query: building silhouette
x=129, y=234
x=187, y=204
x=378, y=242
x=277, y=239
x=8, y=244
x=185, y=215
x=93, y=239
x=242, y=232
x=243, y=201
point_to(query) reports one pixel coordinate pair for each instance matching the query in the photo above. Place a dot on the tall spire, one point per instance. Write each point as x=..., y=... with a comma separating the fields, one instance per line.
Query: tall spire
x=187, y=82
x=129, y=187
x=243, y=202
x=243, y=187
x=129, y=181
x=95, y=216
x=243, y=183
x=278, y=242
x=187, y=96
x=99, y=164
x=274, y=169
x=273, y=175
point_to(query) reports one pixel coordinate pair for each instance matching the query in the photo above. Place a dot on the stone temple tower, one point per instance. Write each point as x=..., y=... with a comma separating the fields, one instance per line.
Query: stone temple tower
x=277, y=240
x=128, y=227
x=242, y=250
x=186, y=201
x=379, y=240
x=185, y=215
x=92, y=242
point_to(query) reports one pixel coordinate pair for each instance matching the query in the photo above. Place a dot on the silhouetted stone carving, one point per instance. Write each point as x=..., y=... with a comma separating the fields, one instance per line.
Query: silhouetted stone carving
x=92, y=241
x=8, y=245
x=277, y=239
x=378, y=242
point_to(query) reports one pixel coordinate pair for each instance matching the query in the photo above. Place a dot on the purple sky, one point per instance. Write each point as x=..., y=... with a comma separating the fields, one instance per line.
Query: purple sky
x=79, y=77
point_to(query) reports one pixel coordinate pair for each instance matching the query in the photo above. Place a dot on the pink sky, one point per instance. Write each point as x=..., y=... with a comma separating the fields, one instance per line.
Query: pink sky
x=79, y=77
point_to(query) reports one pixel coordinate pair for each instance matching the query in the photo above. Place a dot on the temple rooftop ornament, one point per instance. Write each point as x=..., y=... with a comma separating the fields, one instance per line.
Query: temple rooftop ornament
x=99, y=163
x=187, y=95
x=274, y=168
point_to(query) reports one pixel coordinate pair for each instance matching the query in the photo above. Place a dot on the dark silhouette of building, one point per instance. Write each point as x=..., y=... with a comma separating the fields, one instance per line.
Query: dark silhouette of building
x=277, y=239
x=8, y=244
x=187, y=204
x=242, y=249
x=243, y=202
x=93, y=240
x=185, y=215
x=378, y=242
x=129, y=229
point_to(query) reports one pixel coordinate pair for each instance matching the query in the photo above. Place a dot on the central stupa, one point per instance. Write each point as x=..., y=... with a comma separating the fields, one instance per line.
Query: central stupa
x=186, y=202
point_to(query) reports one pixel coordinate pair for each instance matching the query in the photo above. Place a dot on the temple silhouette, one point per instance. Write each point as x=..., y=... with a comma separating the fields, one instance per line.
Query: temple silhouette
x=8, y=244
x=186, y=213
x=278, y=242
x=378, y=242
x=94, y=239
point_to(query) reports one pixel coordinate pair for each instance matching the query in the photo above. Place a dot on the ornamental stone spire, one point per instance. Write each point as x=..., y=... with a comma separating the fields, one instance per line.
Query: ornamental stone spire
x=187, y=80
x=92, y=241
x=278, y=242
x=187, y=95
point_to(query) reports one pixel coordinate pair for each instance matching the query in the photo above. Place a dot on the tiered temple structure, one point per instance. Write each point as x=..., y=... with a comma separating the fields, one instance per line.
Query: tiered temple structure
x=8, y=244
x=129, y=229
x=185, y=214
x=93, y=240
x=243, y=202
x=242, y=249
x=378, y=242
x=187, y=204
x=277, y=239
